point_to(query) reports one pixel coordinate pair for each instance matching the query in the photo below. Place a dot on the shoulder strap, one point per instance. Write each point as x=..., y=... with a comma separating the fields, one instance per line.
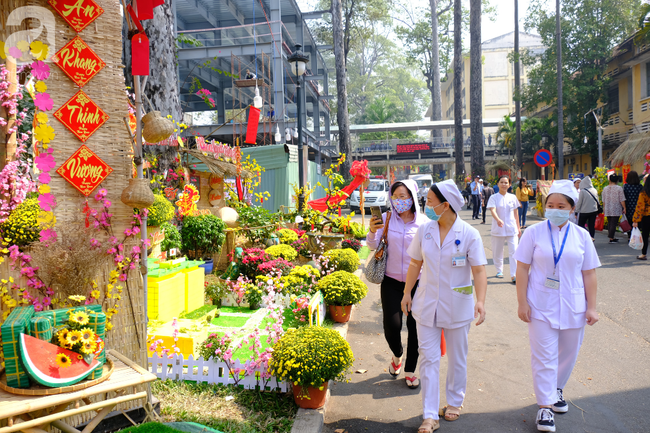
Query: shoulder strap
x=592, y=196
x=384, y=236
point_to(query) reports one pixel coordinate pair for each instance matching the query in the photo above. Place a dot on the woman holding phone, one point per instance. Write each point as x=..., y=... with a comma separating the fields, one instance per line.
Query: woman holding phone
x=556, y=292
x=405, y=218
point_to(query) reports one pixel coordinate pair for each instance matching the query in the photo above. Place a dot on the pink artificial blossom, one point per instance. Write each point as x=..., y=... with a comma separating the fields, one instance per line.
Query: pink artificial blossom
x=44, y=178
x=43, y=101
x=40, y=70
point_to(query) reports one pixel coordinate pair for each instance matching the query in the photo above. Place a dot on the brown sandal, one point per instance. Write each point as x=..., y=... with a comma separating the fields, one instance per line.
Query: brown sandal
x=451, y=413
x=429, y=425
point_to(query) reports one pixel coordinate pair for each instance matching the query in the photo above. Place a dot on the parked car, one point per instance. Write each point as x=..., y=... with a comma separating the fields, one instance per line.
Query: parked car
x=424, y=182
x=375, y=195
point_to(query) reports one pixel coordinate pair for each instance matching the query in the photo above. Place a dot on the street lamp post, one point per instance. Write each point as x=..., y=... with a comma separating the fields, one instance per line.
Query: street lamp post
x=298, y=62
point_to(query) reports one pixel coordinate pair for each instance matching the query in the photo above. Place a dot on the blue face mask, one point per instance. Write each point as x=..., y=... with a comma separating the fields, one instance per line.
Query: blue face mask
x=431, y=213
x=557, y=217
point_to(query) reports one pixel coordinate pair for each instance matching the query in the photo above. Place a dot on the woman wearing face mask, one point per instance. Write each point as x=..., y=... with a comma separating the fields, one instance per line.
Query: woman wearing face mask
x=556, y=292
x=448, y=252
x=405, y=219
x=505, y=226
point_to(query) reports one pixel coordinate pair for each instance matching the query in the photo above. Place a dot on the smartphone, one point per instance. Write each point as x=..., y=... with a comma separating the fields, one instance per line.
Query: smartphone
x=376, y=211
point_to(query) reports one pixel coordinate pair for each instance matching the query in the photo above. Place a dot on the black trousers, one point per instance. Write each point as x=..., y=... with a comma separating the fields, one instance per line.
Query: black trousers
x=391, y=304
x=589, y=219
x=612, y=223
x=644, y=226
x=476, y=205
x=484, y=211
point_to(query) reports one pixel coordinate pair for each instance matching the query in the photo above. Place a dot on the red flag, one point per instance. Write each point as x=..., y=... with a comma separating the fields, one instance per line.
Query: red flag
x=140, y=54
x=145, y=9
x=253, y=123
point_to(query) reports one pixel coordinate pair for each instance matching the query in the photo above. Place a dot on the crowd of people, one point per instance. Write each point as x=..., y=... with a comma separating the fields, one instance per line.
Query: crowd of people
x=436, y=276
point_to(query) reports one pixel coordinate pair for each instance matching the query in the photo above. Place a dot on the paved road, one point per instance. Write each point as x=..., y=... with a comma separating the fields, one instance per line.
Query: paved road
x=609, y=390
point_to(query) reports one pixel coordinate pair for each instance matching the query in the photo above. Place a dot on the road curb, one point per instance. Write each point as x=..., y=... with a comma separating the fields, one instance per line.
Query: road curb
x=313, y=420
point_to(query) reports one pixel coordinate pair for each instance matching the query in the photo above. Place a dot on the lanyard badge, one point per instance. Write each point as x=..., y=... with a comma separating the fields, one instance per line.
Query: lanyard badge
x=553, y=281
x=458, y=260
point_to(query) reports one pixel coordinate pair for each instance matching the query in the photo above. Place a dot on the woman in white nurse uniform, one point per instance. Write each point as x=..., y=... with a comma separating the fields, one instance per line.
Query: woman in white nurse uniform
x=505, y=226
x=556, y=291
x=452, y=252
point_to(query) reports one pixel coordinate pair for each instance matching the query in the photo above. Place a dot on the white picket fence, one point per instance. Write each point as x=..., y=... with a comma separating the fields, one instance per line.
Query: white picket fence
x=198, y=370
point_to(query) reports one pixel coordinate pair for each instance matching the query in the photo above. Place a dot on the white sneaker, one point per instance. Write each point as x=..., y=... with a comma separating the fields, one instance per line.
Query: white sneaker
x=545, y=420
x=560, y=405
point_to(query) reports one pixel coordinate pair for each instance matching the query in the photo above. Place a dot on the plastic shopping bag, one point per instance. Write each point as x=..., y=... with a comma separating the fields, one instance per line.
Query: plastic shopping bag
x=600, y=222
x=625, y=224
x=636, y=242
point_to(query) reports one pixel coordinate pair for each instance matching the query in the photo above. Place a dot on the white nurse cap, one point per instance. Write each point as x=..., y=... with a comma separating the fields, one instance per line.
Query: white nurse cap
x=564, y=187
x=450, y=191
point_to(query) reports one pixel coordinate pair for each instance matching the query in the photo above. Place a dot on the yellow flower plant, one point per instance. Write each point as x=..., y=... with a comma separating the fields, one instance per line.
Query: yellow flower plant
x=311, y=356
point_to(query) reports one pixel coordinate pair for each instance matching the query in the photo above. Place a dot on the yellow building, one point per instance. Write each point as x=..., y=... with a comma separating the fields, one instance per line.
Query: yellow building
x=628, y=113
x=498, y=81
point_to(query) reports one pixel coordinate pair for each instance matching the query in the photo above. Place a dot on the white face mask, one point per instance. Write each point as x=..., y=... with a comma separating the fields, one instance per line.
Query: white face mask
x=557, y=217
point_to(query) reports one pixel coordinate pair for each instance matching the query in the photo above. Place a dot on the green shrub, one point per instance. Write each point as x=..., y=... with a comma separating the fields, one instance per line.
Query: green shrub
x=172, y=237
x=203, y=234
x=287, y=236
x=342, y=288
x=287, y=252
x=21, y=228
x=161, y=211
x=358, y=231
x=343, y=260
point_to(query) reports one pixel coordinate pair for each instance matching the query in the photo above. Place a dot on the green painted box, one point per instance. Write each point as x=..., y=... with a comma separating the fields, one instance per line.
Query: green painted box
x=17, y=323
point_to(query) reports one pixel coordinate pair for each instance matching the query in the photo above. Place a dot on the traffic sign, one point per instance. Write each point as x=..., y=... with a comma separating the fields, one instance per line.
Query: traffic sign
x=543, y=158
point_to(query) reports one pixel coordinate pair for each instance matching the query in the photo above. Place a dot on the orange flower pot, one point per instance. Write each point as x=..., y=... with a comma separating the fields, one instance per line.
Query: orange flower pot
x=310, y=397
x=340, y=313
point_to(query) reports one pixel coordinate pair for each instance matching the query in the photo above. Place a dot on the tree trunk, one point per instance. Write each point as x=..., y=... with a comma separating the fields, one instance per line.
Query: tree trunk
x=520, y=160
x=162, y=84
x=341, y=91
x=476, y=90
x=436, y=99
x=458, y=98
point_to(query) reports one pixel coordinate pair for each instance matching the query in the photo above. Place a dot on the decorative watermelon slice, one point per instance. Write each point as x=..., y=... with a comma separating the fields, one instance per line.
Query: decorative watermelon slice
x=40, y=357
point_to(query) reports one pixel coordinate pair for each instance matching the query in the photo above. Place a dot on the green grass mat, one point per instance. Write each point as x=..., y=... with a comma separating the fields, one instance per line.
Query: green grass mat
x=243, y=310
x=363, y=253
x=199, y=312
x=150, y=427
x=230, y=321
x=245, y=352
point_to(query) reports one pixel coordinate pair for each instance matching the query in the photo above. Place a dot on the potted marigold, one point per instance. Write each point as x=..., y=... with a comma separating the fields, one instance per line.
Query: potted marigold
x=309, y=357
x=341, y=290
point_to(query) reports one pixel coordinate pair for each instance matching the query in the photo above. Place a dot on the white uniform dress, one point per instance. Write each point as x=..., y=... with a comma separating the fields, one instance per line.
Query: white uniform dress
x=505, y=205
x=444, y=300
x=557, y=315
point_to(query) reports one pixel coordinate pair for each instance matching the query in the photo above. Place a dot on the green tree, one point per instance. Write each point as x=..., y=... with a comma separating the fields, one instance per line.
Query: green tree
x=505, y=134
x=590, y=30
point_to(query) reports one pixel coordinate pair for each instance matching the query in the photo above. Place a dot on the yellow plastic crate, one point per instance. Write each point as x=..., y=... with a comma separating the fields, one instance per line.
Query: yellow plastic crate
x=187, y=341
x=194, y=288
x=166, y=296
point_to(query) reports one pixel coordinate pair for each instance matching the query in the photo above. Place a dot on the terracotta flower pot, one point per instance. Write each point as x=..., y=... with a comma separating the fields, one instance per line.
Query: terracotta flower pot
x=310, y=397
x=340, y=313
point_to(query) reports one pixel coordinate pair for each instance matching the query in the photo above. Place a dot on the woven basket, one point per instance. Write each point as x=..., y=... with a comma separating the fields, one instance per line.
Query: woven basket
x=156, y=128
x=138, y=194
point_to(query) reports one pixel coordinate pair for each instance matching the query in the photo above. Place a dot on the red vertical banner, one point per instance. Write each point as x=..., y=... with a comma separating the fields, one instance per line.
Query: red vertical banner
x=145, y=9
x=240, y=189
x=626, y=170
x=253, y=123
x=158, y=3
x=140, y=54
